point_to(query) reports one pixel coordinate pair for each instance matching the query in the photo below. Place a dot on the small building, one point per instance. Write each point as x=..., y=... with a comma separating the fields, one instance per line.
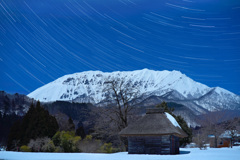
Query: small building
x=155, y=133
x=226, y=139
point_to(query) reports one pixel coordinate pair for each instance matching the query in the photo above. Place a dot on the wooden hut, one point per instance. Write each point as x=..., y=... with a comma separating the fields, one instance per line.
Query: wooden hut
x=155, y=133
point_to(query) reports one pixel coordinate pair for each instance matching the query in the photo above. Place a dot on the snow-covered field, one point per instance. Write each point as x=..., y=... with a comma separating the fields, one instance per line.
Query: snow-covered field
x=186, y=154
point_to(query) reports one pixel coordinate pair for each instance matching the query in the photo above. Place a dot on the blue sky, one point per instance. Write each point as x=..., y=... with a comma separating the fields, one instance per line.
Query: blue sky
x=42, y=40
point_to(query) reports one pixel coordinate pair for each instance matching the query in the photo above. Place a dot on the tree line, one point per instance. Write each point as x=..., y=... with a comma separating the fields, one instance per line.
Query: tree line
x=97, y=127
x=38, y=131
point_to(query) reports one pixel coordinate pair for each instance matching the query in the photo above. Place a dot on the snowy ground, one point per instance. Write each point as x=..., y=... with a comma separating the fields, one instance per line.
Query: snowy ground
x=186, y=154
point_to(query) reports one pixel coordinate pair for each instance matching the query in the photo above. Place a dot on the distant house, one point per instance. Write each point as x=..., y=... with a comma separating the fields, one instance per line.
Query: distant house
x=226, y=138
x=155, y=133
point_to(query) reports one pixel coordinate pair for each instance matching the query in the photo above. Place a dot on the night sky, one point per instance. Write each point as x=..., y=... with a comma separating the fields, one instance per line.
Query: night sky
x=42, y=40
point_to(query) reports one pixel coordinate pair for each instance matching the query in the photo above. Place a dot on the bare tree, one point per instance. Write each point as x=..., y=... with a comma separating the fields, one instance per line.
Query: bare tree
x=121, y=93
x=200, y=137
x=232, y=129
x=41, y=144
x=216, y=126
x=118, y=111
x=15, y=145
x=211, y=125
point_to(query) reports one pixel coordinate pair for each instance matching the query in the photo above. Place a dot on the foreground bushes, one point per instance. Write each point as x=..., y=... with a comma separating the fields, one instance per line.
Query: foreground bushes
x=66, y=141
x=107, y=148
x=25, y=149
x=41, y=145
x=89, y=145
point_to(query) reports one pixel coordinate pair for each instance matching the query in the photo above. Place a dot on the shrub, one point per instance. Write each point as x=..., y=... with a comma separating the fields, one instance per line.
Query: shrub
x=88, y=137
x=66, y=140
x=35, y=145
x=41, y=144
x=48, y=147
x=89, y=145
x=56, y=138
x=58, y=149
x=107, y=148
x=25, y=148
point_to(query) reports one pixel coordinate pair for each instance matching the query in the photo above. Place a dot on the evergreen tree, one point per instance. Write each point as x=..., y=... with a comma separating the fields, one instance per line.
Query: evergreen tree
x=37, y=123
x=80, y=130
x=165, y=108
x=186, y=129
x=71, y=124
x=181, y=122
x=6, y=122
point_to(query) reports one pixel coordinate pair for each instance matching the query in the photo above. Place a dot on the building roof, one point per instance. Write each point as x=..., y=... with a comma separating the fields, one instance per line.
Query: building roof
x=154, y=123
x=229, y=134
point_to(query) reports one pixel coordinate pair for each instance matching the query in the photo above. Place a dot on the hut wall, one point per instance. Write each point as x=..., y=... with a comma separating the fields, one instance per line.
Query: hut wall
x=166, y=144
x=177, y=145
x=174, y=146
x=153, y=145
x=136, y=145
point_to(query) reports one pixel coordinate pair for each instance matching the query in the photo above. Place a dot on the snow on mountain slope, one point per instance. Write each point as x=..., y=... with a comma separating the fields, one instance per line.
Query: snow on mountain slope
x=90, y=83
x=88, y=87
x=219, y=98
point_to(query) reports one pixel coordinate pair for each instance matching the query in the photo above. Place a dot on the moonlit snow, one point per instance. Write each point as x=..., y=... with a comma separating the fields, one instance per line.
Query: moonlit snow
x=172, y=120
x=186, y=154
x=149, y=82
x=88, y=87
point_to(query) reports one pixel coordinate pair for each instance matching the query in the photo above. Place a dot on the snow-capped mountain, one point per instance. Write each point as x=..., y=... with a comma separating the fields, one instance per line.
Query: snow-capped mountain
x=164, y=85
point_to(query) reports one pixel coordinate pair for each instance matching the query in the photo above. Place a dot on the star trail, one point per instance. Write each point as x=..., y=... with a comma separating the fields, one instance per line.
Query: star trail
x=42, y=40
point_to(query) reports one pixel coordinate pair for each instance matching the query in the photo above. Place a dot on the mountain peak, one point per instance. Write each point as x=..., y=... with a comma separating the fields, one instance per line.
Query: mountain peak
x=88, y=86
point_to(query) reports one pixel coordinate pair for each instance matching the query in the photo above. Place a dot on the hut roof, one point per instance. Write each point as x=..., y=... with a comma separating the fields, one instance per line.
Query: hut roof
x=154, y=123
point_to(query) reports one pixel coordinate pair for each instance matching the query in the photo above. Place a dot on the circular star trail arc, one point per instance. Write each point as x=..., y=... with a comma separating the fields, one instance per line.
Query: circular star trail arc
x=43, y=40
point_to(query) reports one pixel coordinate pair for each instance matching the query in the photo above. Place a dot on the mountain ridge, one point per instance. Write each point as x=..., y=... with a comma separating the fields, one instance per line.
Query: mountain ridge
x=87, y=87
